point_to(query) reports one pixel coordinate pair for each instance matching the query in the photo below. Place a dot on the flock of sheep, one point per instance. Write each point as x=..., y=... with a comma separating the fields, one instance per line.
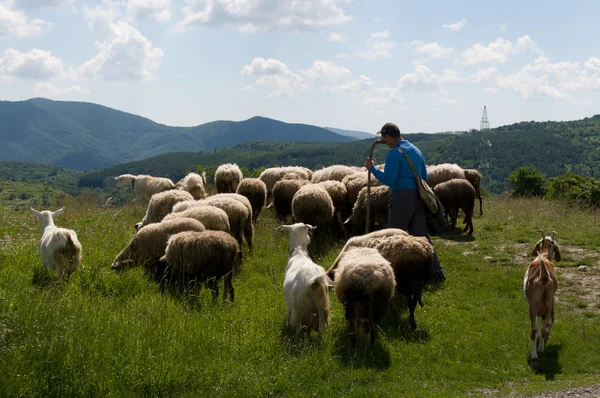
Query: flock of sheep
x=188, y=235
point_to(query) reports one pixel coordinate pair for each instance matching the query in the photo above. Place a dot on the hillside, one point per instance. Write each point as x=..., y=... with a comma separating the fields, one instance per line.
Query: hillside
x=79, y=135
x=361, y=135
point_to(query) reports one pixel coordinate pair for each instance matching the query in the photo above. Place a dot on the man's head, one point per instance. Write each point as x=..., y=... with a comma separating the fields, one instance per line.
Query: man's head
x=390, y=133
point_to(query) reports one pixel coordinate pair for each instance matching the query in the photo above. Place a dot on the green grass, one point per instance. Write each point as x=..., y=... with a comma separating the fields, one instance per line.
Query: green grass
x=109, y=334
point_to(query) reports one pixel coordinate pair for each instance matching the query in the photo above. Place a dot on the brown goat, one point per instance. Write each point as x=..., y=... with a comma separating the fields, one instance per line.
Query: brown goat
x=540, y=285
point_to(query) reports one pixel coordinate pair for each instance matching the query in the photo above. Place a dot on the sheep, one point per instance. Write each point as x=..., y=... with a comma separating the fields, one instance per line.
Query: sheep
x=194, y=184
x=339, y=196
x=256, y=192
x=212, y=217
x=539, y=286
x=162, y=204
x=458, y=194
x=439, y=173
x=364, y=284
x=273, y=174
x=355, y=182
x=60, y=249
x=144, y=186
x=410, y=257
x=312, y=205
x=379, y=203
x=333, y=173
x=554, y=253
x=283, y=193
x=474, y=177
x=227, y=178
x=305, y=284
x=204, y=256
x=147, y=246
x=240, y=218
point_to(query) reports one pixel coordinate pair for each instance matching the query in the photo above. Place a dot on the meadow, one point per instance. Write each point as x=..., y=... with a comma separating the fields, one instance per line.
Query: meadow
x=112, y=334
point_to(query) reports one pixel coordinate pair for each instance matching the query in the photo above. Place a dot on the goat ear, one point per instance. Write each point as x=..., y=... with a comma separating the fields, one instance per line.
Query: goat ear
x=283, y=227
x=35, y=212
x=311, y=227
x=534, y=252
x=349, y=219
x=58, y=212
x=557, y=255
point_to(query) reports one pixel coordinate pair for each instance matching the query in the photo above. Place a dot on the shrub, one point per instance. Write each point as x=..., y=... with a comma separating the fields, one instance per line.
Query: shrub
x=528, y=181
x=574, y=189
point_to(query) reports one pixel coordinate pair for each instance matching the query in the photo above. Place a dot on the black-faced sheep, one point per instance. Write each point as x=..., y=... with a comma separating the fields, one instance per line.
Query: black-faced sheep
x=474, y=177
x=539, y=286
x=410, y=257
x=283, y=193
x=211, y=217
x=379, y=203
x=204, y=256
x=144, y=186
x=162, y=204
x=256, y=192
x=194, y=184
x=364, y=284
x=227, y=178
x=60, y=249
x=147, y=246
x=458, y=194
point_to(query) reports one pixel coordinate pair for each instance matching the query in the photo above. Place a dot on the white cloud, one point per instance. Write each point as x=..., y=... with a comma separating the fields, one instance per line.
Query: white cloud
x=324, y=70
x=385, y=95
x=377, y=46
x=35, y=64
x=423, y=79
x=490, y=90
x=336, y=37
x=14, y=22
x=456, y=26
x=264, y=15
x=593, y=63
x=484, y=75
x=584, y=81
x=497, y=51
x=33, y=4
x=48, y=89
x=275, y=75
x=360, y=85
x=431, y=50
x=503, y=27
x=532, y=87
x=139, y=11
x=125, y=54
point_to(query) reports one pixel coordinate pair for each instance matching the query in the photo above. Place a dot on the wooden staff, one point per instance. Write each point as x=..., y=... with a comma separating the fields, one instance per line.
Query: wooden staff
x=380, y=141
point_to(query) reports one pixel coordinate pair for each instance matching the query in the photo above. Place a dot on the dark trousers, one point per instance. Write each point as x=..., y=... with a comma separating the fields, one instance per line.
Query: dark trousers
x=407, y=212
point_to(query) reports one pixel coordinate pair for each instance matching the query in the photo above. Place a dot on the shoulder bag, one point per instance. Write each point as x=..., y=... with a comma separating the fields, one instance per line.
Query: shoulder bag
x=426, y=194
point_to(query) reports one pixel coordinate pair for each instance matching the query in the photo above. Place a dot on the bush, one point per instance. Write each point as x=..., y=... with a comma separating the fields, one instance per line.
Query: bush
x=528, y=181
x=574, y=189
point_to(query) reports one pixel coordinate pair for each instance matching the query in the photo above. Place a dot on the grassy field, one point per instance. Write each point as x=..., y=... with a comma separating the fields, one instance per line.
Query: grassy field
x=119, y=335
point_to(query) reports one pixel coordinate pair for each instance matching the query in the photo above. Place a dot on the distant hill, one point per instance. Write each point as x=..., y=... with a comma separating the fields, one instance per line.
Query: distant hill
x=361, y=135
x=80, y=135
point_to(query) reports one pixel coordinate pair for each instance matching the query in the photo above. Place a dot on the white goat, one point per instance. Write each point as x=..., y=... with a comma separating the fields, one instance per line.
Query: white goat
x=305, y=284
x=540, y=285
x=60, y=249
x=144, y=186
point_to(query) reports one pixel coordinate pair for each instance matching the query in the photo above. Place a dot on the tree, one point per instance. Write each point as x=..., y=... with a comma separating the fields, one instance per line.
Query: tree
x=528, y=181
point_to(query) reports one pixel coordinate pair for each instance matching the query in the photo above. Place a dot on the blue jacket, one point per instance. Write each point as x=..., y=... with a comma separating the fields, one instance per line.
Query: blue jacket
x=397, y=174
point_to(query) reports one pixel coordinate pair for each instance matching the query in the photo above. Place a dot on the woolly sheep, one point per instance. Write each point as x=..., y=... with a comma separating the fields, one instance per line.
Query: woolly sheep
x=333, y=173
x=312, y=205
x=144, y=186
x=437, y=174
x=194, y=184
x=339, y=196
x=410, y=257
x=283, y=193
x=162, y=204
x=355, y=182
x=211, y=217
x=205, y=256
x=240, y=218
x=256, y=192
x=147, y=246
x=273, y=174
x=539, y=286
x=227, y=178
x=60, y=249
x=364, y=284
x=305, y=284
x=458, y=194
x=379, y=203
x=474, y=177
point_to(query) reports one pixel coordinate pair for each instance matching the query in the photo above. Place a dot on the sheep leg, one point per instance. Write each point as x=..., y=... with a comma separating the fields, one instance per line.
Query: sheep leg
x=412, y=304
x=338, y=215
x=355, y=315
x=371, y=321
x=534, y=332
x=480, y=206
x=228, y=286
x=212, y=285
x=248, y=232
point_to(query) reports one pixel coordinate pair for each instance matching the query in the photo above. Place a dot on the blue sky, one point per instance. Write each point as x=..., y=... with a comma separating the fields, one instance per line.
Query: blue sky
x=426, y=65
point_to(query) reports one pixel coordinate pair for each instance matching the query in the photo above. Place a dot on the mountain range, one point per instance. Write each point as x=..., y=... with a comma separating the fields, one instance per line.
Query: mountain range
x=80, y=135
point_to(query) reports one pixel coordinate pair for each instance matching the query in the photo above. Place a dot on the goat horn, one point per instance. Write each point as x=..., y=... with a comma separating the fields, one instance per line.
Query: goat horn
x=542, y=232
x=554, y=234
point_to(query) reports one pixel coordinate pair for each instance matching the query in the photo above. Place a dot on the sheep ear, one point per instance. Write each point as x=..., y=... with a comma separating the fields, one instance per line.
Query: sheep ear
x=58, y=212
x=35, y=212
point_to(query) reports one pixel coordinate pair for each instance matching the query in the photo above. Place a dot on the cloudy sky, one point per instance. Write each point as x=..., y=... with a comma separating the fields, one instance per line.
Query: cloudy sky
x=355, y=64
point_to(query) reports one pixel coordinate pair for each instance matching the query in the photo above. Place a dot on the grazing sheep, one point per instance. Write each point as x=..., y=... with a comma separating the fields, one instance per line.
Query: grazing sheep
x=227, y=178
x=240, y=218
x=333, y=173
x=283, y=193
x=379, y=203
x=540, y=285
x=458, y=194
x=552, y=255
x=256, y=192
x=147, y=246
x=162, y=204
x=354, y=183
x=211, y=217
x=305, y=284
x=339, y=196
x=204, y=256
x=439, y=173
x=312, y=205
x=144, y=186
x=194, y=184
x=60, y=249
x=364, y=284
x=273, y=174
x=474, y=177
x=410, y=257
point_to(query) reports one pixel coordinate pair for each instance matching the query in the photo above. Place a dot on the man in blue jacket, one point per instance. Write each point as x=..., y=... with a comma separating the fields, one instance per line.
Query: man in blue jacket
x=406, y=210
